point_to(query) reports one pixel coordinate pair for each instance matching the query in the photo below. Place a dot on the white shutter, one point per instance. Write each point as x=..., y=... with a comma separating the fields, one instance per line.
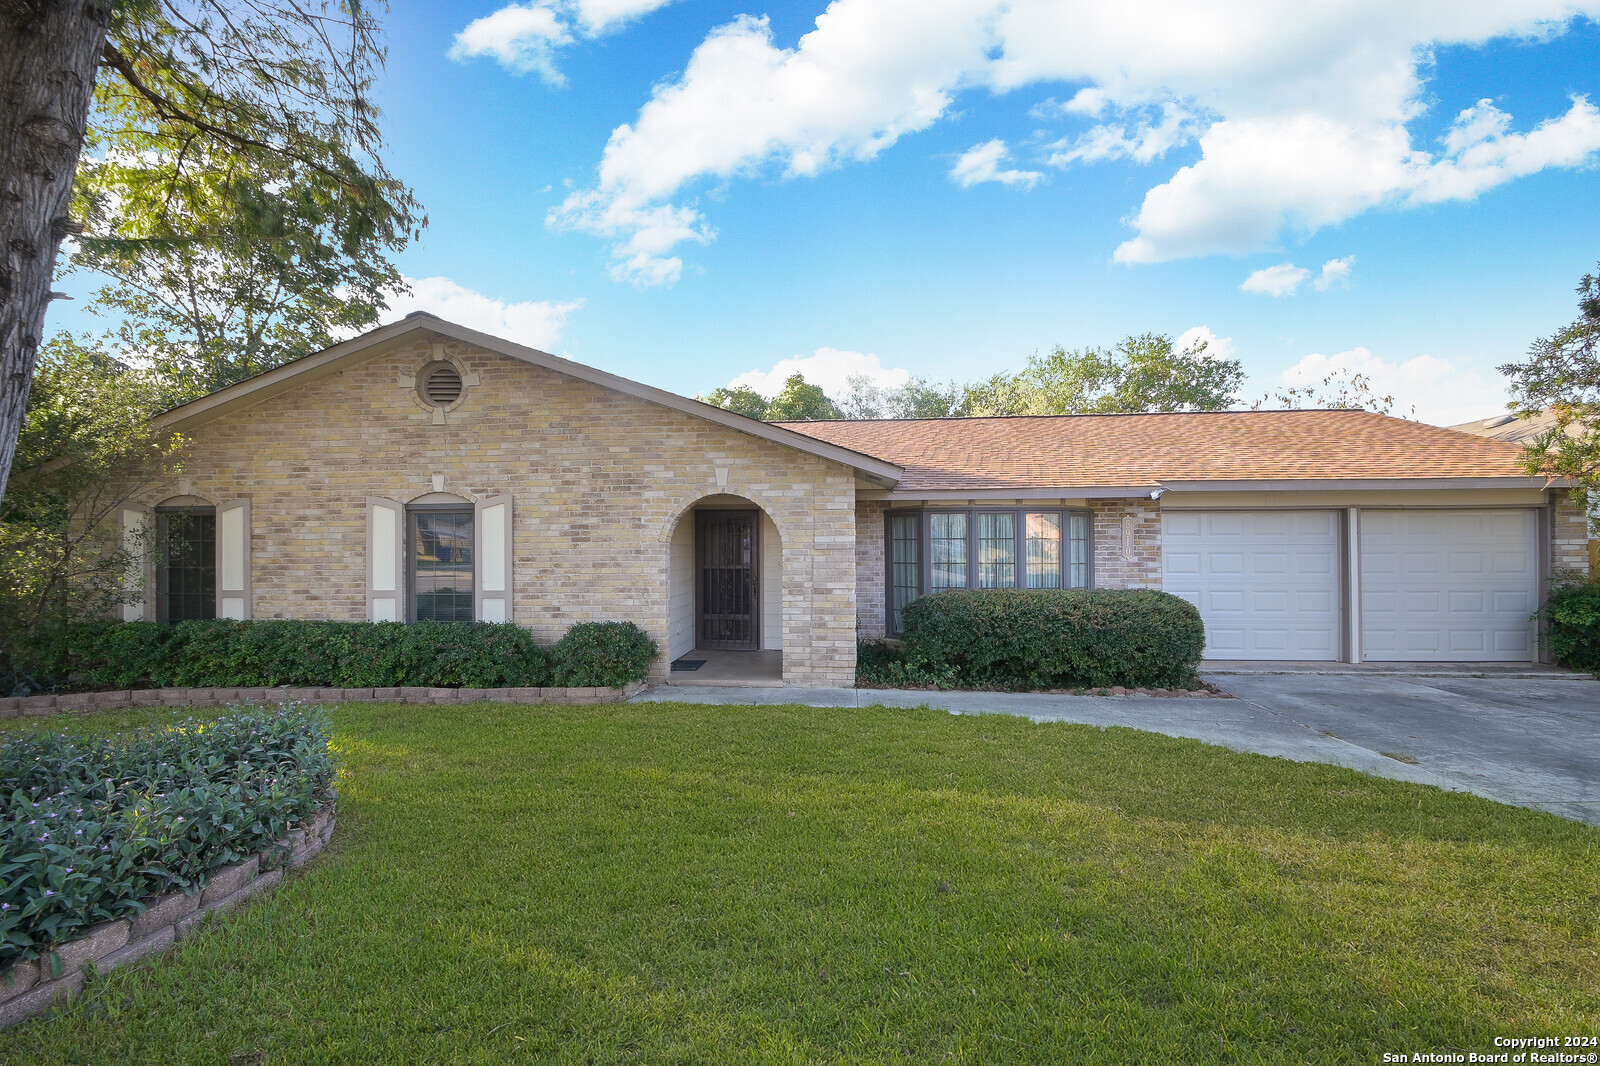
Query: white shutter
x=386, y=532
x=138, y=583
x=233, y=559
x=492, y=530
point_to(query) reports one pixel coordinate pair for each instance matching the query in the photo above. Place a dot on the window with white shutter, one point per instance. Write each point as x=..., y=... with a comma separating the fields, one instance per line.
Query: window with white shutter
x=233, y=559
x=493, y=587
x=385, y=560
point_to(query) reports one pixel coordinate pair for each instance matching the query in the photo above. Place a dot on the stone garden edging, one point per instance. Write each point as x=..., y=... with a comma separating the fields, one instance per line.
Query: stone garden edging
x=12, y=706
x=29, y=989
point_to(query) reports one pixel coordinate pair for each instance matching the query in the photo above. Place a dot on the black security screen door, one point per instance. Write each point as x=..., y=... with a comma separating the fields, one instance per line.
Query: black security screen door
x=729, y=606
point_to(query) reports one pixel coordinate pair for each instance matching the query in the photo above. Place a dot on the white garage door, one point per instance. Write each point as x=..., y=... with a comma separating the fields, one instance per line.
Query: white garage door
x=1266, y=582
x=1449, y=586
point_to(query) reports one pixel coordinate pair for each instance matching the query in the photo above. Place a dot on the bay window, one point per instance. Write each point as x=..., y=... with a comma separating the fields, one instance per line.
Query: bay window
x=986, y=548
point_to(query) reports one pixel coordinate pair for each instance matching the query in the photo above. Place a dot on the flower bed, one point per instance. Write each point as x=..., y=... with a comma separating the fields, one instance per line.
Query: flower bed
x=93, y=829
x=33, y=986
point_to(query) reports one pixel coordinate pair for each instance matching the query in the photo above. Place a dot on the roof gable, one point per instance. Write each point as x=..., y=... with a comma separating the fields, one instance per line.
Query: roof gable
x=385, y=339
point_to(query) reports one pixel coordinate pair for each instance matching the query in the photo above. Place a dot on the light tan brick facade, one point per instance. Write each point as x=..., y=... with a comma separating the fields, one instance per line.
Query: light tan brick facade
x=1127, y=544
x=599, y=482
x=1569, y=536
x=872, y=580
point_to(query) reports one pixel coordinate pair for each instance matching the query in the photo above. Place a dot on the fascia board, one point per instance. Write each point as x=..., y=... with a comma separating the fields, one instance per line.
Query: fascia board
x=1076, y=492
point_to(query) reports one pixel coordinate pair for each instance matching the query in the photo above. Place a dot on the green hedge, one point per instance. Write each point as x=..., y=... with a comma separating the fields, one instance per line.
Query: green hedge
x=224, y=654
x=1573, y=614
x=90, y=827
x=1054, y=638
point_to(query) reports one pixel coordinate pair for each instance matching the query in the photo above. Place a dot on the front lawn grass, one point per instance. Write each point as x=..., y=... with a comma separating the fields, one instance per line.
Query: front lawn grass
x=660, y=883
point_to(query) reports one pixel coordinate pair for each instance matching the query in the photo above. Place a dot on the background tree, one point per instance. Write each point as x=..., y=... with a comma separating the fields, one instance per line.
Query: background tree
x=1341, y=390
x=797, y=401
x=87, y=449
x=743, y=399
x=276, y=93
x=1562, y=374
x=800, y=401
x=1142, y=373
x=917, y=398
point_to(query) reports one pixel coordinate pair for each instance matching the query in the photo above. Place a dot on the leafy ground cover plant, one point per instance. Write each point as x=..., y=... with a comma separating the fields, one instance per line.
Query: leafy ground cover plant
x=1055, y=638
x=92, y=826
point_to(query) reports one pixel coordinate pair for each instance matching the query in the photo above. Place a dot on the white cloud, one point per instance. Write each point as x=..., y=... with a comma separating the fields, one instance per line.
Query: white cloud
x=523, y=38
x=1299, y=115
x=1335, y=274
x=981, y=163
x=830, y=368
x=1143, y=142
x=1440, y=391
x=1281, y=280
x=601, y=16
x=536, y=323
x=1216, y=347
x=1481, y=152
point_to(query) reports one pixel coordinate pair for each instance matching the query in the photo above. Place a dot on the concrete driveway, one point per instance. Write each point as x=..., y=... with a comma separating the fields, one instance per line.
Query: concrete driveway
x=1530, y=738
x=1533, y=740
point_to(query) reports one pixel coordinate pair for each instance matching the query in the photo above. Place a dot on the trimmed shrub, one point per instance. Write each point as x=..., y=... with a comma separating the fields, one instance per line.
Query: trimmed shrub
x=880, y=664
x=224, y=654
x=91, y=827
x=597, y=654
x=1055, y=638
x=1573, y=613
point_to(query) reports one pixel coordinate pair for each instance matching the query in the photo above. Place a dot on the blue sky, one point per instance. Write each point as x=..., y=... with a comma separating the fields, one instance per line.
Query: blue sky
x=694, y=193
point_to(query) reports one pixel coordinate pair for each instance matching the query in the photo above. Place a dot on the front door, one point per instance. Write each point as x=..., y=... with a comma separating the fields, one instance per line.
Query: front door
x=728, y=607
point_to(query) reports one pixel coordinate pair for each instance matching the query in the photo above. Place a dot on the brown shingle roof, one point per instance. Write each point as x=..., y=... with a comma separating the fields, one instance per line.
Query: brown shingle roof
x=1132, y=450
x=1506, y=427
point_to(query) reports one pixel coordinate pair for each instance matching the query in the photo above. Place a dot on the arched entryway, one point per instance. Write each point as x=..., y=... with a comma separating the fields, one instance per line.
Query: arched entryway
x=725, y=593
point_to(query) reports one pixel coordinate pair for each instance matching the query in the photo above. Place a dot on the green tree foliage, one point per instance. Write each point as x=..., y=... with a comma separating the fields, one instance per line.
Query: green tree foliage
x=1562, y=374
x=234, y=193
x=1142, y=373
x=797, y=401
x=917, y=398
x=231, y=188
x=800, y=401
x=85, y=449
x=744, y=400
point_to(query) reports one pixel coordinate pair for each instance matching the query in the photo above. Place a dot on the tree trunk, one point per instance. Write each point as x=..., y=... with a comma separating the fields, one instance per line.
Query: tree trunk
x=49, y=52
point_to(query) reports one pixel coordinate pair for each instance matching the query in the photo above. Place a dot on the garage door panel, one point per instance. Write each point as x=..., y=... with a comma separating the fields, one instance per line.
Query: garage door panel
x=1266, y=582
x=1448, y=585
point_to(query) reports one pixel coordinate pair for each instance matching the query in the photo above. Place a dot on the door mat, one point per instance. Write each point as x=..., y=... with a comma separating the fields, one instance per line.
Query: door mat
x=683, y=666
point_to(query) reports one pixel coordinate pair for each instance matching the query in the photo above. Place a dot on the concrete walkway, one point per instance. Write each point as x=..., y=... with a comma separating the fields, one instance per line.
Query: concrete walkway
x=1532, y=742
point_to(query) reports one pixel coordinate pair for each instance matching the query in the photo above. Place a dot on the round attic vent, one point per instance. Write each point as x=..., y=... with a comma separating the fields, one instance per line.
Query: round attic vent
x=440, y=385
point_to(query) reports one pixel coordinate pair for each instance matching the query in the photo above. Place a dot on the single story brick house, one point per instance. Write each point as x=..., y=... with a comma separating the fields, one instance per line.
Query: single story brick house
x=426, y=470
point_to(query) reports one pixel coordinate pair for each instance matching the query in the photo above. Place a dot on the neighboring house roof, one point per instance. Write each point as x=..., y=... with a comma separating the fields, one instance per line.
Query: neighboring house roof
x=1509, y=427
x=1094, y=451
x=383, y=339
